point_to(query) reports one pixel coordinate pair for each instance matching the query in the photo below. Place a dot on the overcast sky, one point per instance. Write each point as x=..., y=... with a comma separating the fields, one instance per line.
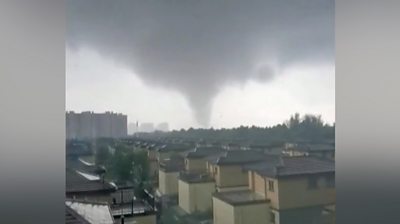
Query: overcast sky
x=201, y=63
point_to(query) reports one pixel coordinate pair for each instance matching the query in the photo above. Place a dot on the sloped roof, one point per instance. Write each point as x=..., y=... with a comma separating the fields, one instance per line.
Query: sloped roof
x=173, y=164
x=203, y=152
x=173, y=147
x=237, y=157
x=291, y=166
x=72, y=217
x=314, y=147
x=76, y=183
x=96, y=213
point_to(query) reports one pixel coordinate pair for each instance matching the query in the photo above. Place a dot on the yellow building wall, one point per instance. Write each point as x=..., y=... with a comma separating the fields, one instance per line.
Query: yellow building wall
x=168, y=182
x=231, y=176
x=223, y=213
x=196, y=196
x=211, y=169
x=294, y=193
x=273, y=196
x=259, y=184
x=184, y=196
x=195, y=165
x=251, y=180
x=258, y=213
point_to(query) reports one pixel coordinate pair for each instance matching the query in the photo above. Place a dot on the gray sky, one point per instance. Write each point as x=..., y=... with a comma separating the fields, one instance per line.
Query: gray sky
x=202, y=63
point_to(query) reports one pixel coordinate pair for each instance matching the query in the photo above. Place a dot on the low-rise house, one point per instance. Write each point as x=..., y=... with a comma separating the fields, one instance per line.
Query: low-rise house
x=195, y=192
x=167, y=150
x=86, y=186
x=299, y=188
x=168, y=175
x=196, y=186
x=196, y=159
x=227, y=168
x=152, y=158
x=240, y=207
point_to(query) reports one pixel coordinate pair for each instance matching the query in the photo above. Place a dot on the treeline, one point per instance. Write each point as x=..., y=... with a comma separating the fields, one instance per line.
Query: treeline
x=307, y=128
x=122, y=162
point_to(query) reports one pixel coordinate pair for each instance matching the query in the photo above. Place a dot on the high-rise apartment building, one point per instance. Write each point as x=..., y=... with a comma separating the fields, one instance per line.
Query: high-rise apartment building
x=95, y=125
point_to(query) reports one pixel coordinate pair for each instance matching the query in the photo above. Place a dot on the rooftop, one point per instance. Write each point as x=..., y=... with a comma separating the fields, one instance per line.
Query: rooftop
x=195, y=177
x=78, y=183
x=202, y=152
x=173, y=164
x=90, y=212
x=241, y=197
x=236, y=157
x=290, y=166
x=173, y=147
x=313, y=147
x=134, y=208
x=72, y=217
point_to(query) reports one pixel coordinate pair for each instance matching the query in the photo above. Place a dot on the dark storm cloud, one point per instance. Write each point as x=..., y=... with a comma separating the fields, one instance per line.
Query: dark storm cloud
x=198, y=46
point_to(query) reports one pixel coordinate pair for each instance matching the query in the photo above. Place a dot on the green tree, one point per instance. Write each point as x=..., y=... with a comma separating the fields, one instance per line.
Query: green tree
x=102, y=155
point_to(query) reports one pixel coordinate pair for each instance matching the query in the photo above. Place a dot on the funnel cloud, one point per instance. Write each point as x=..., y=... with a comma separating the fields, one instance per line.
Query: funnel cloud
x=197, y=47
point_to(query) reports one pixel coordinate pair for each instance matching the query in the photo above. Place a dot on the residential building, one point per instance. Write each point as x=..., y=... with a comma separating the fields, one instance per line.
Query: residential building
x=196, y=186
x=196, y=160
x=87, y=186
x=240, y=207
x=299, y=189
x=89, y=125
x=195, y=192
x=227, y=168
x=168, y=174
x=171, y=149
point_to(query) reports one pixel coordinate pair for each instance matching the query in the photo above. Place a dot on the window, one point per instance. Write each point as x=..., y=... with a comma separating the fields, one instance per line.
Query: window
x=271, y=185
x=312, y=182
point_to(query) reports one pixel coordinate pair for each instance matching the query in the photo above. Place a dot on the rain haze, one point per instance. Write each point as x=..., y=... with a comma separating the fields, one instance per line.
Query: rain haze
x=201, y=63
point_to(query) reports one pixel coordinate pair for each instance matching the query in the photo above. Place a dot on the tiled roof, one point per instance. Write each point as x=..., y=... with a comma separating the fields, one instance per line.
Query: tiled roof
x=202, y=152
x=76, y=183
x=195, y=177
x=237, y=157
x=173, y=147
x=314, y=147
x=290, y=166
x=173, y=164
